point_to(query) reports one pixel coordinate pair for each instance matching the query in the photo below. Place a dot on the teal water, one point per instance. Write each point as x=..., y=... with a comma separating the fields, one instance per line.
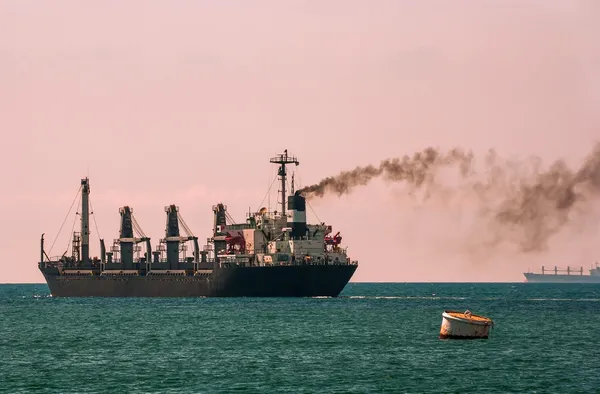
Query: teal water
x=374, y=338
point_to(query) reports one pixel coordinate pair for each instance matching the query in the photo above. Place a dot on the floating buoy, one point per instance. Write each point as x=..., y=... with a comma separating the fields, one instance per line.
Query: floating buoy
x=464, y=325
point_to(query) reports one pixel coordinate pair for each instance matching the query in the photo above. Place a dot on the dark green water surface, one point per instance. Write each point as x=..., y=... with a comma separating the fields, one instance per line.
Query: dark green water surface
x=374, y=338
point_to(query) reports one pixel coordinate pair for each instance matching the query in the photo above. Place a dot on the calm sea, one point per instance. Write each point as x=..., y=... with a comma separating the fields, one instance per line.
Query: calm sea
x=374, y=338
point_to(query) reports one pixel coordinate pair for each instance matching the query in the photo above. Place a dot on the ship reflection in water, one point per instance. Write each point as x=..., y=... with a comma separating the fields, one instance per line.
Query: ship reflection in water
x=272, y=254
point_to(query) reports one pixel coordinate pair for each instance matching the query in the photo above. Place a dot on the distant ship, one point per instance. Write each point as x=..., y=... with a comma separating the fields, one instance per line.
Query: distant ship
x=272, y=254
x=557, y=275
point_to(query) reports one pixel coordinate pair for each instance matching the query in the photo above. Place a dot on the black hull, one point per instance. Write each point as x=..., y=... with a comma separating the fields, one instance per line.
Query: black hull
x=269, y=281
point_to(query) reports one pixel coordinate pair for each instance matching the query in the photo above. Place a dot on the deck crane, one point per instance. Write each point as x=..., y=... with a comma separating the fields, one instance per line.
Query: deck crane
x=127, y=242
x=175, y=242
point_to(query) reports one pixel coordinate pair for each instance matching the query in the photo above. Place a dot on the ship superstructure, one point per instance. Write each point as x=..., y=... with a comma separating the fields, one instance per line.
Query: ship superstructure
x=568, y=275
x=271, y=254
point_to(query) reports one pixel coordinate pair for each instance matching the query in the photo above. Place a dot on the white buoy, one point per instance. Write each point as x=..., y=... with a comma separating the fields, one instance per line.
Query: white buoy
x=464, y=325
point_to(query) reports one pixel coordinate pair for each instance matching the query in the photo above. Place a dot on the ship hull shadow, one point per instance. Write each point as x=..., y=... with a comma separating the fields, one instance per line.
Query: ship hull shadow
x=235, y=281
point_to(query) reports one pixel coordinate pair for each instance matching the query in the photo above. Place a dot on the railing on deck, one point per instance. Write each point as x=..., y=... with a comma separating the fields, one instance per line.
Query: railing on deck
x=300, y=262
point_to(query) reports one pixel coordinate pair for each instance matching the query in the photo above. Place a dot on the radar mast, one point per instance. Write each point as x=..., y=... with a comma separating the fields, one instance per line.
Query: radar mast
x=282, y=160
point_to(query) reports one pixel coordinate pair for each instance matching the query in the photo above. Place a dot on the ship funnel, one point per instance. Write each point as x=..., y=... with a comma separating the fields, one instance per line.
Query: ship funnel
x=297, y=215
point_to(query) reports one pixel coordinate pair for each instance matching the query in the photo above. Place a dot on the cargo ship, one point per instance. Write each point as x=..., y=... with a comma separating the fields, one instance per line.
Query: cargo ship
x=272, y=254
x=568, y=275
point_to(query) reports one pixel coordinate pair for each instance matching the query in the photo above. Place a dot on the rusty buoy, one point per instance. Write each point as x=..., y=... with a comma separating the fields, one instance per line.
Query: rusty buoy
x=464, y=325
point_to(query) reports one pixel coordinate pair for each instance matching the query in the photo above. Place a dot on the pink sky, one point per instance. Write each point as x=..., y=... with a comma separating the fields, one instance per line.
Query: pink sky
x=184, y=102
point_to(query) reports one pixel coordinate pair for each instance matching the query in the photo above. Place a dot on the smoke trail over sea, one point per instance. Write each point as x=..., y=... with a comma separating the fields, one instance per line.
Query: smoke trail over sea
x=519, y=199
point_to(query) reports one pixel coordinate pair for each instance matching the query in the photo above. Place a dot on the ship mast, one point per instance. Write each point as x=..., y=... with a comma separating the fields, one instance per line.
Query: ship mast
x=85, y=221
x=282, y=160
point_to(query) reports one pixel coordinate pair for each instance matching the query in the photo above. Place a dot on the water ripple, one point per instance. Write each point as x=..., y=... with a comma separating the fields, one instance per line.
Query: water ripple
x=374, y=338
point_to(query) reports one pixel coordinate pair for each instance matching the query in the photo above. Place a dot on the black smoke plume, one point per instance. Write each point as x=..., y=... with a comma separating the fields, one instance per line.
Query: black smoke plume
x=520, y=197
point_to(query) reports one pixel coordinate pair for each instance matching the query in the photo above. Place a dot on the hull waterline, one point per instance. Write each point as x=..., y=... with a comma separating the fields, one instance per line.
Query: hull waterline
x=547, y=278
x=277, y=281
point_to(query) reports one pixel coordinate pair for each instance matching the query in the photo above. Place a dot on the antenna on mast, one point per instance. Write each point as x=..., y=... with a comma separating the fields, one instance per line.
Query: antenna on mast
x=282, y=160
x=292, y=183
